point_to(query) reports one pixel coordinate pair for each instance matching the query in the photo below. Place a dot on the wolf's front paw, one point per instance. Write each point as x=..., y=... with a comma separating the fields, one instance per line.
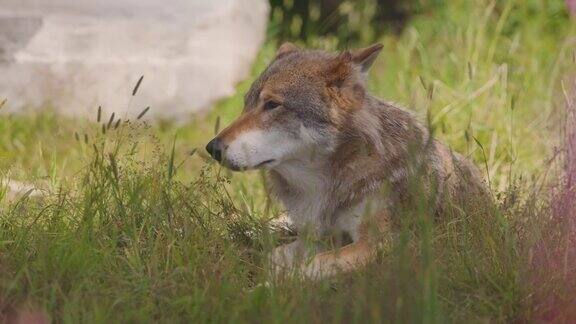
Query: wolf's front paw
x=285, y=257
x=282, y=258
x=284, y=225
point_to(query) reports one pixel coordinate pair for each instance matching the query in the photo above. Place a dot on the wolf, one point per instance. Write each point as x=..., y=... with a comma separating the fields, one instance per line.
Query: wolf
x=329, y=149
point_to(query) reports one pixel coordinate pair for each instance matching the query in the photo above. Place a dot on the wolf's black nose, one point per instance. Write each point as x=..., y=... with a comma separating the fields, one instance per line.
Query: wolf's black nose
x=214, y=147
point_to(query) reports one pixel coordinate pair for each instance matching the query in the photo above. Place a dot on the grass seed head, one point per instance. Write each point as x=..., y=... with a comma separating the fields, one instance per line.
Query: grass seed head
x=110, y=121
x=99, y=115
x=135, y=90
x=143, y=113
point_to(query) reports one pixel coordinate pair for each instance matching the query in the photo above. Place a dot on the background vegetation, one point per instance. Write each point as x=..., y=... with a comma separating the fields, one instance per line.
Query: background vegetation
x=132, y=227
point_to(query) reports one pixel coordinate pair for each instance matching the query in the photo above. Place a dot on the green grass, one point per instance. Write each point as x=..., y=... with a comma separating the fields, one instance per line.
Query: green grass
x=134, y=229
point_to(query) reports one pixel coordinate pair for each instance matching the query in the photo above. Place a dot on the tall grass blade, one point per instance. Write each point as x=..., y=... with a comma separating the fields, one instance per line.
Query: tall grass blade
x=217, y=126
x=485, y=161
x=171, y=169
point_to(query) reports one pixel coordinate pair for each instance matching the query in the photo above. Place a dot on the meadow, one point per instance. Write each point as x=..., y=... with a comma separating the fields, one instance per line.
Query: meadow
x=137, y=224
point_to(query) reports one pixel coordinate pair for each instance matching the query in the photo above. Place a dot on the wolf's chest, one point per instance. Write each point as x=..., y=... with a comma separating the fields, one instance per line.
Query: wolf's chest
x=317, y=212
x=307, y=210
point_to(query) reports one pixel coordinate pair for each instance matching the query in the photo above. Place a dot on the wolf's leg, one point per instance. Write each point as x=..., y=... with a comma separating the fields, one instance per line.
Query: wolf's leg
x=352, y=256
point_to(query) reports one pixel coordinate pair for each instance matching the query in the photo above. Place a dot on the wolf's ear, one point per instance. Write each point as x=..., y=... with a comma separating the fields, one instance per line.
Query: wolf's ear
x=286, y=48
x=338, y=69
x=364, y=57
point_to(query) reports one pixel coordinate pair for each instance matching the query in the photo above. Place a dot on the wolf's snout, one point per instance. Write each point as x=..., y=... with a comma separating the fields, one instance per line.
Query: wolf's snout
x=214, y=147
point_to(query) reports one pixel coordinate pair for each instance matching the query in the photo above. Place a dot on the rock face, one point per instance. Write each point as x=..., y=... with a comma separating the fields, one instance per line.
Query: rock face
x=73, y=55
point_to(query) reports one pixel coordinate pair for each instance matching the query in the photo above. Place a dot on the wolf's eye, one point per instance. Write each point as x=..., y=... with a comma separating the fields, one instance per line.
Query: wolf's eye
x=271, y=105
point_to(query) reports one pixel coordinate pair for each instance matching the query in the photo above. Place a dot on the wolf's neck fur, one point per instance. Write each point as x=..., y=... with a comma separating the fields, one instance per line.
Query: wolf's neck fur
x=305, y=176
x=304, y=187
x=371, y=148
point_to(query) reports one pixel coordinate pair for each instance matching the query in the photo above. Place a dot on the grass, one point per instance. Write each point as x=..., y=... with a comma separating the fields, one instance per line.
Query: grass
x=134, y=229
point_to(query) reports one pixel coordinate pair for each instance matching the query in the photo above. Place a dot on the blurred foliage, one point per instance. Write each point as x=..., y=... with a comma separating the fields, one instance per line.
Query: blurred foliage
x=347, y=23
x=341, y=22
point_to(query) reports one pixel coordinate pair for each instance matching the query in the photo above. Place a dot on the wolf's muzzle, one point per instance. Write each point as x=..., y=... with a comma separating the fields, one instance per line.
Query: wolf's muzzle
x=214, y=147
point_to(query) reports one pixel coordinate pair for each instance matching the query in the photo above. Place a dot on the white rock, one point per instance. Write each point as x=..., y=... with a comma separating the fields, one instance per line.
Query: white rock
x=74, y=55
x=14, y=189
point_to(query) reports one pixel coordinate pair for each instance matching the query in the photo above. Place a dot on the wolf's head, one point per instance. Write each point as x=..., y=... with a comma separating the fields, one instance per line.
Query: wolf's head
x=296, y=108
